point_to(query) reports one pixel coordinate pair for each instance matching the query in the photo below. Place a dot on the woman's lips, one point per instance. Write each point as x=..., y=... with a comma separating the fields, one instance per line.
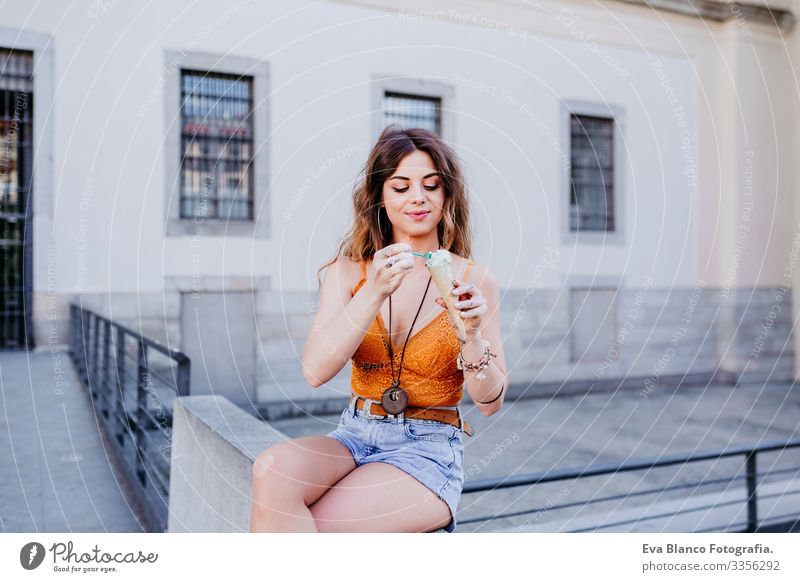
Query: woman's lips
x=420, y=216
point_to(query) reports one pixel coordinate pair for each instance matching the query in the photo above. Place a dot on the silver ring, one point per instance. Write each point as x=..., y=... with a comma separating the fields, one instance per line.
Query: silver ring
x=391, y=261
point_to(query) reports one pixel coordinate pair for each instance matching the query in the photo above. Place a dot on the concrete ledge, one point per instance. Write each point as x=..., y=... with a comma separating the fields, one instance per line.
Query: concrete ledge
x=214, y=444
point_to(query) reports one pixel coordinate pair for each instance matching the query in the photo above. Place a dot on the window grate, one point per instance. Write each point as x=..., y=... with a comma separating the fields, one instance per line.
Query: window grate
x=591, y=173
x=217, y=146
x=410, y=111
x=16, y=169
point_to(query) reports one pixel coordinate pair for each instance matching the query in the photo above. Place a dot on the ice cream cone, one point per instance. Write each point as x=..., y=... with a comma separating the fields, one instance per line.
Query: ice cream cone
x=439, y=266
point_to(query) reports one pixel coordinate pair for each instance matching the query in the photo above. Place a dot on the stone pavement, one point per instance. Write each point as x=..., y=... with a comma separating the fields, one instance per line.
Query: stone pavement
x=56, y=476
x=542, y=434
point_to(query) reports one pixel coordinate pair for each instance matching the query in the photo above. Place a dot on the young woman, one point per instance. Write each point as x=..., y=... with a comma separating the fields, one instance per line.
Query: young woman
x=395, y=461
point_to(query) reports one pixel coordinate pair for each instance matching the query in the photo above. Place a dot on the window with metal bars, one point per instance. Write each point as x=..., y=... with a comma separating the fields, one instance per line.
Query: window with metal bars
x=591, y=173
x=409, y=110
x=217, y=146
x=16, y=208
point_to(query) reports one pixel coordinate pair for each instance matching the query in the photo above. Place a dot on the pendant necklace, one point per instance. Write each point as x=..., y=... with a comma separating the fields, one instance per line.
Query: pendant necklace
x=394, y=400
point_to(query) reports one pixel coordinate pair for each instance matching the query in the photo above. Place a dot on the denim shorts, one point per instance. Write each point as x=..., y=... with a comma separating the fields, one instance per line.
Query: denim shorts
x=428, y=450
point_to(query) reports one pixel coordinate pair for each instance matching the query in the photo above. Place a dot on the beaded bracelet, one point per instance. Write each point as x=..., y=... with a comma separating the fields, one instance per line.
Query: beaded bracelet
x=462, y=364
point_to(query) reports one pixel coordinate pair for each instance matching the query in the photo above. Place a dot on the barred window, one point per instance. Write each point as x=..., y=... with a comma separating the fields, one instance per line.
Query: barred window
x=591, y=173
x=412, y=111
x=16, y=200
x=217, y=145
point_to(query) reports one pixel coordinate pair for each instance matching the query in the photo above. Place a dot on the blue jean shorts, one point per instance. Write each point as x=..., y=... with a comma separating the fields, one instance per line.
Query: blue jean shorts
x=428, y=450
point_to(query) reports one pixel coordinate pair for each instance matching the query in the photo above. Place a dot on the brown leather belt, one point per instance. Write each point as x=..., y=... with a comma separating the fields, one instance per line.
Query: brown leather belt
x=448, y=416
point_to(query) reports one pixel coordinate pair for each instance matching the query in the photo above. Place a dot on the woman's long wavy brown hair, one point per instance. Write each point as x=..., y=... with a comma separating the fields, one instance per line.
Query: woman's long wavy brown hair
x=371, y=229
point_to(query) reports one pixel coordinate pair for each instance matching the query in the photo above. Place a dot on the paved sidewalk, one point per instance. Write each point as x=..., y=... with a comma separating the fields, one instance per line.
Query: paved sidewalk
x=56, y=476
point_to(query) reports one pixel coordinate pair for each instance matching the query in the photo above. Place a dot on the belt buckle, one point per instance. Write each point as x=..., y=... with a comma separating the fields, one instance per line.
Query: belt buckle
x=368, y=410
x=368, y=402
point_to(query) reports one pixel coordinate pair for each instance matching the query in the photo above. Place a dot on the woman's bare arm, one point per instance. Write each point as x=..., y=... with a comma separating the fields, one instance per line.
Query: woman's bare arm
x=340, y=324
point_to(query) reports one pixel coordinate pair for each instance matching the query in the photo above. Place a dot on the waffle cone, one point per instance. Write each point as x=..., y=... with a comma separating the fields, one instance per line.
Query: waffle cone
x=442, y=276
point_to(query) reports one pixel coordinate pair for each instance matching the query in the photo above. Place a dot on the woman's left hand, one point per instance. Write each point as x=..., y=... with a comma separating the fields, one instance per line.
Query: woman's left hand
x=472, y=305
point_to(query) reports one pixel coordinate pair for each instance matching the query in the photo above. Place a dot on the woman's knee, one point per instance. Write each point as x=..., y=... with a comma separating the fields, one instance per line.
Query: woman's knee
x=276, y=468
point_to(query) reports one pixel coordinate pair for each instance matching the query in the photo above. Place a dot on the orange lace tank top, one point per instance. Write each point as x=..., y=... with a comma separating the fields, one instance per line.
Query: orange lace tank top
x=429, y=376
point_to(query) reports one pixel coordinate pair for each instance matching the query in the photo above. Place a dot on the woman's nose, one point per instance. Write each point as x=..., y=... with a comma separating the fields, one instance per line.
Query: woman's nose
x=417, y=193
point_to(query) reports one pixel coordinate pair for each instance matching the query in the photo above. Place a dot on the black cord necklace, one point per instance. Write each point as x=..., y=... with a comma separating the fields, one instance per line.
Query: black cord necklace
x=394, y=399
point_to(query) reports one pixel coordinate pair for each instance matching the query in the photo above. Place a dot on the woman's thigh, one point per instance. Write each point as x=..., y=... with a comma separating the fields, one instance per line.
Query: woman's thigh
x=304, y=467
x=379, y=497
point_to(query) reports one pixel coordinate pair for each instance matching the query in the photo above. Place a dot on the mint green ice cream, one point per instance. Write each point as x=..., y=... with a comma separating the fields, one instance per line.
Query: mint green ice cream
x=438, y=259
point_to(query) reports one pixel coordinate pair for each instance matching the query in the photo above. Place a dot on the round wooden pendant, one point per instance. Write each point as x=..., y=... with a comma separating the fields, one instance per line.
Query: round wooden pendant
x=394, y=400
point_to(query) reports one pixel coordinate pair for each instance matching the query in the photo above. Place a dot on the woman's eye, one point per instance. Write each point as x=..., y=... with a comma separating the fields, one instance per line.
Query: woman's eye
x=401, y=190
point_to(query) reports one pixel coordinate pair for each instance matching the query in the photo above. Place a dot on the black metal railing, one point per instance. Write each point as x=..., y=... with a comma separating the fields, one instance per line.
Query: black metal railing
x=132, y=381
x=785, y=522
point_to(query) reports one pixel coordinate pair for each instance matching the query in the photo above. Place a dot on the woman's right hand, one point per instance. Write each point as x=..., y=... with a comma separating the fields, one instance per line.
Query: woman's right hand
x=386, y=280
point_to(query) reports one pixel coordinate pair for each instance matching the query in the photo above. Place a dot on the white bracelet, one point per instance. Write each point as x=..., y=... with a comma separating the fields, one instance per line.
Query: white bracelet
x=462, y=364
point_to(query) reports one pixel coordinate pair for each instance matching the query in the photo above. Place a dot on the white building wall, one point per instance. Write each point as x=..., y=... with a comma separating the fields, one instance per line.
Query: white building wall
x=110, y=124
x=681, y=207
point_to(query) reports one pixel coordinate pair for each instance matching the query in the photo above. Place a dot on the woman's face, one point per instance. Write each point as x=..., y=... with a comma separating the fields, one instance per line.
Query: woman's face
x=414, y=187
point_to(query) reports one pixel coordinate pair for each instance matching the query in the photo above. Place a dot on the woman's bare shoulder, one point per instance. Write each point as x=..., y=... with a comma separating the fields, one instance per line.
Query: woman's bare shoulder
x=349, y=269
x=348, y=263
